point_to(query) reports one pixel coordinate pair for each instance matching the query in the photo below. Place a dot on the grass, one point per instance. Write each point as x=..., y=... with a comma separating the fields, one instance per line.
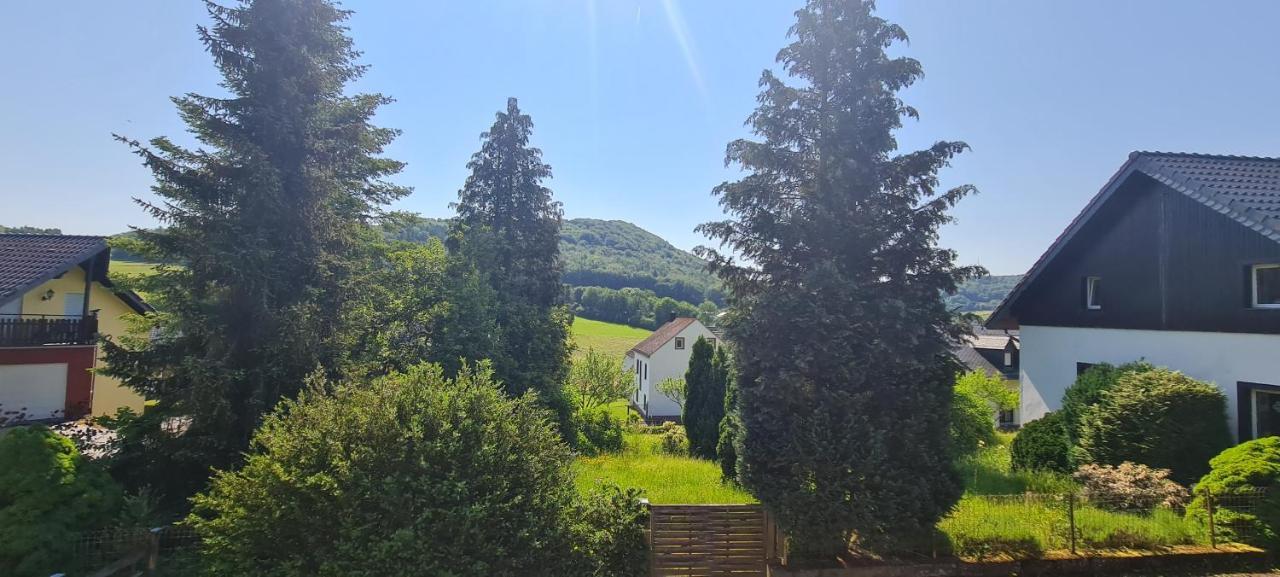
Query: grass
x=1018, y=514
x=132, y=268
x=665, y=479
x=612, y=339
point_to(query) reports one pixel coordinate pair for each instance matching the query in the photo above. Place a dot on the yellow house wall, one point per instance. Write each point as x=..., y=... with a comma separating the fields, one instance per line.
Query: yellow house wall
x=109, y=394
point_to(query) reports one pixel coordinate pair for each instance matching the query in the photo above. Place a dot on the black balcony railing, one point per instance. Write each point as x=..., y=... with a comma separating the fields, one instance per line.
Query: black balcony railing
x=33, y=330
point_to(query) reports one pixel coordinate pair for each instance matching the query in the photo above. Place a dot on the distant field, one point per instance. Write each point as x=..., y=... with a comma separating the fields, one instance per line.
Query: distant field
x=604, y=337
x=130, y=267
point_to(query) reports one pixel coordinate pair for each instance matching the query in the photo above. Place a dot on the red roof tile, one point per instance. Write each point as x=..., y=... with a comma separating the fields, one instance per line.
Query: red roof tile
x=660, y=337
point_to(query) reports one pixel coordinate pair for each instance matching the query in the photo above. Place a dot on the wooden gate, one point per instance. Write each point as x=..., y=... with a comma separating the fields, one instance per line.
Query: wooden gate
x=711, y=541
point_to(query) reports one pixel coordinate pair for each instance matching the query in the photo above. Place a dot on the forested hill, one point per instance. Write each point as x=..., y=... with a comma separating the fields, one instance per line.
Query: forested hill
x=983, y=294
x=611, y=254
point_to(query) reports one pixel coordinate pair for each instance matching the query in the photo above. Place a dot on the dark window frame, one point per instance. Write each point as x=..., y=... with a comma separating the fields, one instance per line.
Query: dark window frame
x=679, y=343
x=1244, y=407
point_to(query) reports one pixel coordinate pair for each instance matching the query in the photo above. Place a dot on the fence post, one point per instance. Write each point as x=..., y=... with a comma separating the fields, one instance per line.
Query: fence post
x=1209, y=506
x=153, y=550
x=1071, y=519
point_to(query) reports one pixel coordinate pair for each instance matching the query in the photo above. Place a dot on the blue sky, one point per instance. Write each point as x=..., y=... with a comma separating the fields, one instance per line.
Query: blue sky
x=634, y=100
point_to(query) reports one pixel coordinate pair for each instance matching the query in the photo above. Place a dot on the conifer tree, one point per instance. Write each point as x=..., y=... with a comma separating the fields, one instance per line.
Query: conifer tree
x=841, y=336
x=263, y=217
x=705, y=405
x=508, y=227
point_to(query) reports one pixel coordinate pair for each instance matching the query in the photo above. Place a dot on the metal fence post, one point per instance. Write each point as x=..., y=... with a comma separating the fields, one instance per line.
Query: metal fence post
x=1071, y=519
x=1209, y=506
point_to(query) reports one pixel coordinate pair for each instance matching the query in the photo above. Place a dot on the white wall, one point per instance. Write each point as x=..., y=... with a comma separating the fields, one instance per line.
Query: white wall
x=668, y=362
x=1050, y=354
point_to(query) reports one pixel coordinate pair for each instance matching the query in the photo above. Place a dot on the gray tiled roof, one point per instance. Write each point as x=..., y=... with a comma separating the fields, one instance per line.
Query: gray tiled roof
x=1244, y=188
x=973, y=361
x=26, y=260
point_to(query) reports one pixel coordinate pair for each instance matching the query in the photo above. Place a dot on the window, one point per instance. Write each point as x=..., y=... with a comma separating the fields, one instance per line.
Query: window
x=679, y=343
x=1008, y=358
x=645, y=367
x=1266, y=286
x=1005, y=419
x=1092, y=294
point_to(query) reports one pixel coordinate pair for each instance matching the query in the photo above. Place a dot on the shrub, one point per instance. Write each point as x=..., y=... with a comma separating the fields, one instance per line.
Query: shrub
x=1088, y=390
x=972, y=422
x=674, y=441
x=48, y=494
x=410, y=474
x=610, y=533
x=1159, y=418
x=1041, y=444
x=598, y=432
x=1245, y=481
x=1128, y=487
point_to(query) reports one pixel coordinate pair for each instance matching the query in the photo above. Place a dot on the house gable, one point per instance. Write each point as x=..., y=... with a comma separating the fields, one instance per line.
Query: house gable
x=1166, y=259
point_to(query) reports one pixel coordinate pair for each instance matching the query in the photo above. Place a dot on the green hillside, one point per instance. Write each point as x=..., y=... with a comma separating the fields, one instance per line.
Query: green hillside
x=606, y=253
x=983, y=294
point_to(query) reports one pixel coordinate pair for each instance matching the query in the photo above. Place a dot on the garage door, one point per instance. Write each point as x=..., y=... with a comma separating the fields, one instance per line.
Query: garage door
x=36, y=391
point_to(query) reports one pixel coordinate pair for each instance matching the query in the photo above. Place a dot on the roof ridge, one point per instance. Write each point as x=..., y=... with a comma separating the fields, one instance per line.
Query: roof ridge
x=1201, y=155
x=42, y=234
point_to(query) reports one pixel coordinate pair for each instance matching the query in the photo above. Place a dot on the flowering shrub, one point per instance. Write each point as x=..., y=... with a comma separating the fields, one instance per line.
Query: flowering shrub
x=1129, y=486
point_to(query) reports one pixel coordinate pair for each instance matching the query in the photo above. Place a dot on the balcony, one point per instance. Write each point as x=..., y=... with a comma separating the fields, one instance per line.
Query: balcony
x=37, y=330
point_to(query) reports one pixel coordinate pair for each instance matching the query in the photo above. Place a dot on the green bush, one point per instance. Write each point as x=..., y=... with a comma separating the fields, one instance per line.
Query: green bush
x=410, y=474
x=610, y=533
x=674, y=441
x=1041, y=445
x=1245, y=481
x=599, y=432
x=1159, y=418
x=48, y=494
x=972, y=422
x=1087, y=391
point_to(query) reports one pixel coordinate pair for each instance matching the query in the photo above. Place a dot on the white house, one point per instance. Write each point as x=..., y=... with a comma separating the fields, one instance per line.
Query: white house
x=665, y=354
x=1175, y=261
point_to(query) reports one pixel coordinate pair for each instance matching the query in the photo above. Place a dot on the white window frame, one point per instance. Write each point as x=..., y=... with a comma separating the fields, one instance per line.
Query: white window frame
x=1253, y=286
x=1090, y=290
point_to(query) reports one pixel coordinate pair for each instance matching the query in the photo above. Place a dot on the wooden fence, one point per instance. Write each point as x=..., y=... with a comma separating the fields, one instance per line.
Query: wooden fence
x=712, y=541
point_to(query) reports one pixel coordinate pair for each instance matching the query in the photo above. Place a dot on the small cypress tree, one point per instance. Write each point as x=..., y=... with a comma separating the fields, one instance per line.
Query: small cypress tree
x=508, y=228
x=705, y=405
x=842, y=340
x=730, y=424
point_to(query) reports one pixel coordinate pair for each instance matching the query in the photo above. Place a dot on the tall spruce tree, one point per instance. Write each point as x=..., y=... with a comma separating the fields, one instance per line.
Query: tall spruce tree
x=840, y=332
x=263, y=218
x=508, y=227
x=704, y=407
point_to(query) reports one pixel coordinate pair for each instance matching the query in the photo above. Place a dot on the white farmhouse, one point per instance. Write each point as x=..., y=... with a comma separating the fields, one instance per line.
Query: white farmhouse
x=665, y=354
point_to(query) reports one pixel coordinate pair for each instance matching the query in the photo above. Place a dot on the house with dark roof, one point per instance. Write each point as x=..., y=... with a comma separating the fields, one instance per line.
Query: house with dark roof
x=996, y=353
x=663, y=355
x=1175, y=261
x=56, y=299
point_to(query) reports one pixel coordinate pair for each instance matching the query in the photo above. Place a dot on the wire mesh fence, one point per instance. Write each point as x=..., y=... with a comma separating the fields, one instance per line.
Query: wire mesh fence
x=1031, y=525
x=122, y=551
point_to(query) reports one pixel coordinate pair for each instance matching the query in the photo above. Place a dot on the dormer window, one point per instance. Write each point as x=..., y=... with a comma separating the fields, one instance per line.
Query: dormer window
x=1092, y=293
x=1266, y=286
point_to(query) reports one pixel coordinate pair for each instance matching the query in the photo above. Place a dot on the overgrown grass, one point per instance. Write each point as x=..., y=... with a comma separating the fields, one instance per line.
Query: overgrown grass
x=1021, y=514
x=665, y=479
x=610, y=338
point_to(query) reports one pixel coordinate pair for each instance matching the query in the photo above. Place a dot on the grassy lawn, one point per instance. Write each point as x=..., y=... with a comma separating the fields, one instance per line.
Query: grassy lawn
x=610, y=338
x=1019, y=514
x=665, y=479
